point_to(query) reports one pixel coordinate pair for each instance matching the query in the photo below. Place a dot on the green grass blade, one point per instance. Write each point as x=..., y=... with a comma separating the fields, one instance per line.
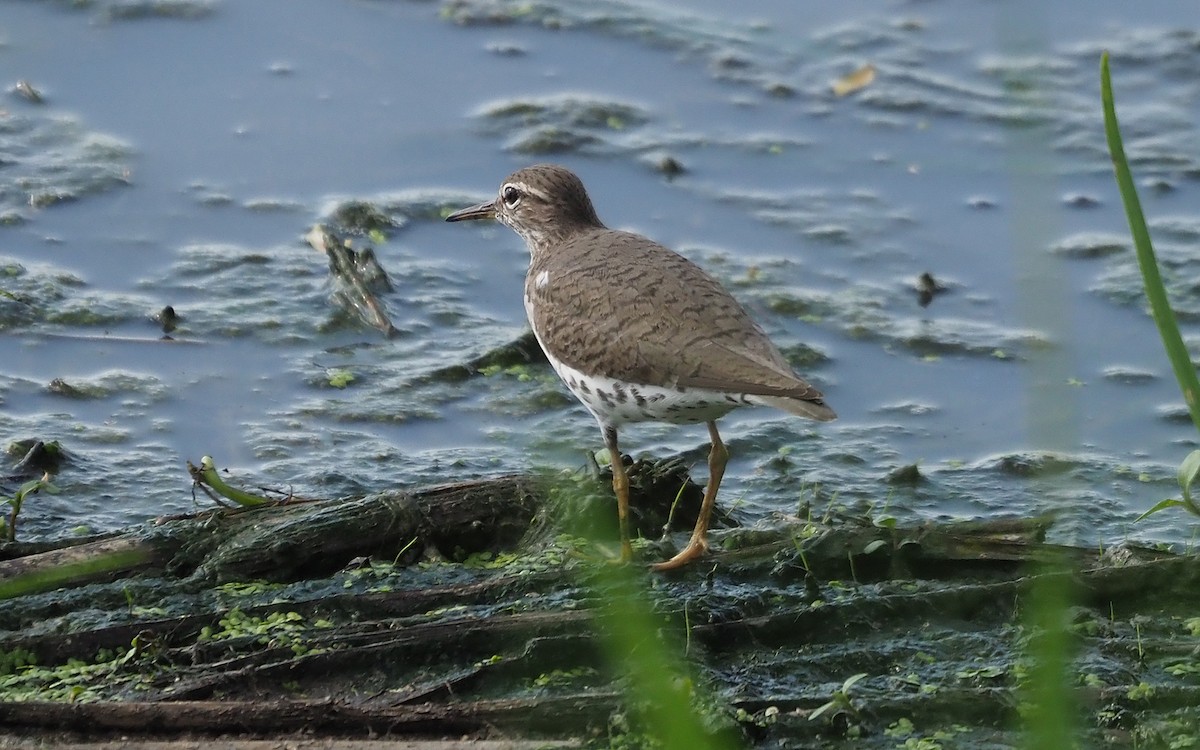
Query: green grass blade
x=1170, y=502
x=657, y=688
x=1050, y=703
x=1164, y=316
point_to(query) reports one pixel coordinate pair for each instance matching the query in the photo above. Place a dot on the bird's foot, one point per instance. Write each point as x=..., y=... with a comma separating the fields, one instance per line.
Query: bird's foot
x=695, y=549
x=626, y=551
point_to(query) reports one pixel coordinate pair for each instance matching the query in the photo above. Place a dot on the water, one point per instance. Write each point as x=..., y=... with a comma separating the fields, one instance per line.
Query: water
x=180, y=157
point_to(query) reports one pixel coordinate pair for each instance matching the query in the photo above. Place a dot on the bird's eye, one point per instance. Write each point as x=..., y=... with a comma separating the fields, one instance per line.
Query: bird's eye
x=511, y=196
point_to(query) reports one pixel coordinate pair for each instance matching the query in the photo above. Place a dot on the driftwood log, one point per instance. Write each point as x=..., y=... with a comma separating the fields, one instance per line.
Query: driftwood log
x=288, y=541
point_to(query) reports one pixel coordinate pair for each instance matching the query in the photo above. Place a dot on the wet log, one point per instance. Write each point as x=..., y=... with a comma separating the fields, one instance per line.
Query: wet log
x=217, y=717
x=292, y=541
x=76, y=565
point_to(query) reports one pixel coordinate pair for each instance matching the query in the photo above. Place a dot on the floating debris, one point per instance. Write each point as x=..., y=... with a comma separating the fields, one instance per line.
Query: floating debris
x=563, y=124
x=167, y=318
x=904, y=475
x=357, y=276
x=37, y=457
x=670, y=166
x=1090, y=245
x=1080, y=200
x=506, y=49
x=50, y=160
x=928, y=288
x=855, y=81
x=363, y=217
x=26, y=90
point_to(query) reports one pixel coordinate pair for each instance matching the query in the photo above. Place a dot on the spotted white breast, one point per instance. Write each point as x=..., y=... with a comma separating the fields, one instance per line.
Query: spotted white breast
x=614, y=402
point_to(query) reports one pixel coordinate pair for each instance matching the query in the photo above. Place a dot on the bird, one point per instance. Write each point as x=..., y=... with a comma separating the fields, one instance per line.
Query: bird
x=637, y=332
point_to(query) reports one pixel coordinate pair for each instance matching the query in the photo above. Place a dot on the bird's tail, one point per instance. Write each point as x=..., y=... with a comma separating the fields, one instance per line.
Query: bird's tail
x=801, y=407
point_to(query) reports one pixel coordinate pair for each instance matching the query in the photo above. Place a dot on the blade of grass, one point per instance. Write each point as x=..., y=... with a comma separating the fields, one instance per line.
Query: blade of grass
x=1051, y=704
x=1160, y=306
x=658, y=687
x=1164, y=316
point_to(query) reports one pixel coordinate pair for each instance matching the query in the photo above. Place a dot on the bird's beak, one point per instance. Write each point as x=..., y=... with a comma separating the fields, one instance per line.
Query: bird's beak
x=486, y=210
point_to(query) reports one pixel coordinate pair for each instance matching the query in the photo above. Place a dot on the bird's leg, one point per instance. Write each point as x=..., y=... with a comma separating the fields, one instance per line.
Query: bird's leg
x=718, y=457
x=621, y=489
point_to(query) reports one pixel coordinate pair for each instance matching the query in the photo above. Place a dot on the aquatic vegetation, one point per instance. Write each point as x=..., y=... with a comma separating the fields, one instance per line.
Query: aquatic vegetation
x=8, y=526
x=1156, y=294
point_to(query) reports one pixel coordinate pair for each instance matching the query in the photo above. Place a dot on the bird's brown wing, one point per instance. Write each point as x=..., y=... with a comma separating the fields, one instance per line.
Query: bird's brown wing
x=616, y=303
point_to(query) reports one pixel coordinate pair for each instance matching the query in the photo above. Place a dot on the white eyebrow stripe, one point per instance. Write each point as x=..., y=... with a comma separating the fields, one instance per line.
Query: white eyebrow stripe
x=527, y=189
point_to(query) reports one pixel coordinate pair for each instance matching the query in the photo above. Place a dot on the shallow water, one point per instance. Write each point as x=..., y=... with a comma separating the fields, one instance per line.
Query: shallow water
x=183, y=149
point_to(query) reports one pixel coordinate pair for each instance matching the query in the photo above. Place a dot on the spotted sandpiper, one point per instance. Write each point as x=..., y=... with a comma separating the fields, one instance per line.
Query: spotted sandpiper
x=638, y=332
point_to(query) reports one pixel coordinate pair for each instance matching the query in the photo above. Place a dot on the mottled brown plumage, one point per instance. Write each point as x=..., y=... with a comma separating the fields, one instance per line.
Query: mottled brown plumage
x=654, y=317
x=637, y=331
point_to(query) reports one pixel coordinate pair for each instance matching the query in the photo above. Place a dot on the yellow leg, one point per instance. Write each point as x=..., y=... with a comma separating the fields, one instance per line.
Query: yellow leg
x=697, y=546
x=621, y=489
